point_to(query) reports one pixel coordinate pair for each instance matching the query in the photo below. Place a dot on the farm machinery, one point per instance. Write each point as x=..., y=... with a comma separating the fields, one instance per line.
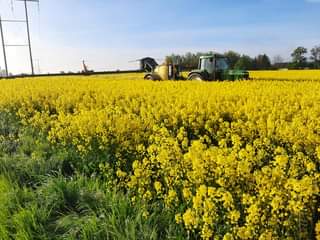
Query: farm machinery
x=211, y=68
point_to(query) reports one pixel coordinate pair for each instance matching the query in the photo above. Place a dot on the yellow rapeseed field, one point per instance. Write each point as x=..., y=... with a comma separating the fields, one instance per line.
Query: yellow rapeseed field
x=232, y=160
x=296, y=75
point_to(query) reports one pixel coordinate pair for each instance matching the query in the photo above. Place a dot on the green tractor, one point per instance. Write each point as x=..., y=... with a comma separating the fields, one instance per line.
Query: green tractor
x=215, y=68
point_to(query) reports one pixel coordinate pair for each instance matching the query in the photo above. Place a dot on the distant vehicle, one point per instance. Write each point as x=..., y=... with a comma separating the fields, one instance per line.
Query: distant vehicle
x=85, y=69
x=215, y=68
x=211, y=68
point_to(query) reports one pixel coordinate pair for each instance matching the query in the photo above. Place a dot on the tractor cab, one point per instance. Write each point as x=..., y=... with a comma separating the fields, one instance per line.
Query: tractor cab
x=210, y=64
x=215, y=68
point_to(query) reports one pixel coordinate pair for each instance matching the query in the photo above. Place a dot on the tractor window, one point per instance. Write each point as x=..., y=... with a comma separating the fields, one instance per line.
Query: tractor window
x=222, y=64
x=207, y=64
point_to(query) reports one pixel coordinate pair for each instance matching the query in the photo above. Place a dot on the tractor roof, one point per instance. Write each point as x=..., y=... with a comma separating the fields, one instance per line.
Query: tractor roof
x=215, y=55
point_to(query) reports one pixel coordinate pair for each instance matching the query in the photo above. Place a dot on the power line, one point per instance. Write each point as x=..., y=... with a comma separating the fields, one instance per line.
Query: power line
x=4, y=49
x=14, y=21
x=18, y=45
x=12, y=9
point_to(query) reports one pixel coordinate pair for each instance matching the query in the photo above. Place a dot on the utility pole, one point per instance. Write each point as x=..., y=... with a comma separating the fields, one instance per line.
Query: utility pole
x=28, y=31
x=4, y=45
x=4, y=49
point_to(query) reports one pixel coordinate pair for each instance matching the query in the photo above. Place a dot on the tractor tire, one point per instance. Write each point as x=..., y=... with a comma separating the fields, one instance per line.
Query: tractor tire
x=195, y=77
x=149, y=77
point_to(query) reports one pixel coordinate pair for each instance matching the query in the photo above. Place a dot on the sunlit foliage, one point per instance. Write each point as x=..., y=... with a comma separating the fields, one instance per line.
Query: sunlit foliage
x=232, y=160
x=293, y=75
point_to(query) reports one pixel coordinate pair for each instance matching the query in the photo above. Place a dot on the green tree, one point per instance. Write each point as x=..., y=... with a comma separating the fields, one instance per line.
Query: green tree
x=299, y=58
x=262, y=62
x=315, y=56
x=187, y=61
x=233, y=58
x=278, y=59
x=173, y=58
x=245, y=63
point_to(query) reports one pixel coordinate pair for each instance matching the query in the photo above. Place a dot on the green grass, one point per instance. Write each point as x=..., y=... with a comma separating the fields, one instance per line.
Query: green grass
x=78, y=208
x=45, y=194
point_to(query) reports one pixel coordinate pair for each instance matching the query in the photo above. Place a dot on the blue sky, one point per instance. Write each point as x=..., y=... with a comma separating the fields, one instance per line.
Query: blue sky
x=108, y=33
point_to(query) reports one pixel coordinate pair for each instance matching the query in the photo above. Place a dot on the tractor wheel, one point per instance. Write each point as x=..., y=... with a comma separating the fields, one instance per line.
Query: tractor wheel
x=195, y=77
x=149, y=77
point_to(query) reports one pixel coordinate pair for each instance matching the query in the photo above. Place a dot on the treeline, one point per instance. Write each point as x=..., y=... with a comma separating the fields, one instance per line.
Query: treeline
x=299, y=60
